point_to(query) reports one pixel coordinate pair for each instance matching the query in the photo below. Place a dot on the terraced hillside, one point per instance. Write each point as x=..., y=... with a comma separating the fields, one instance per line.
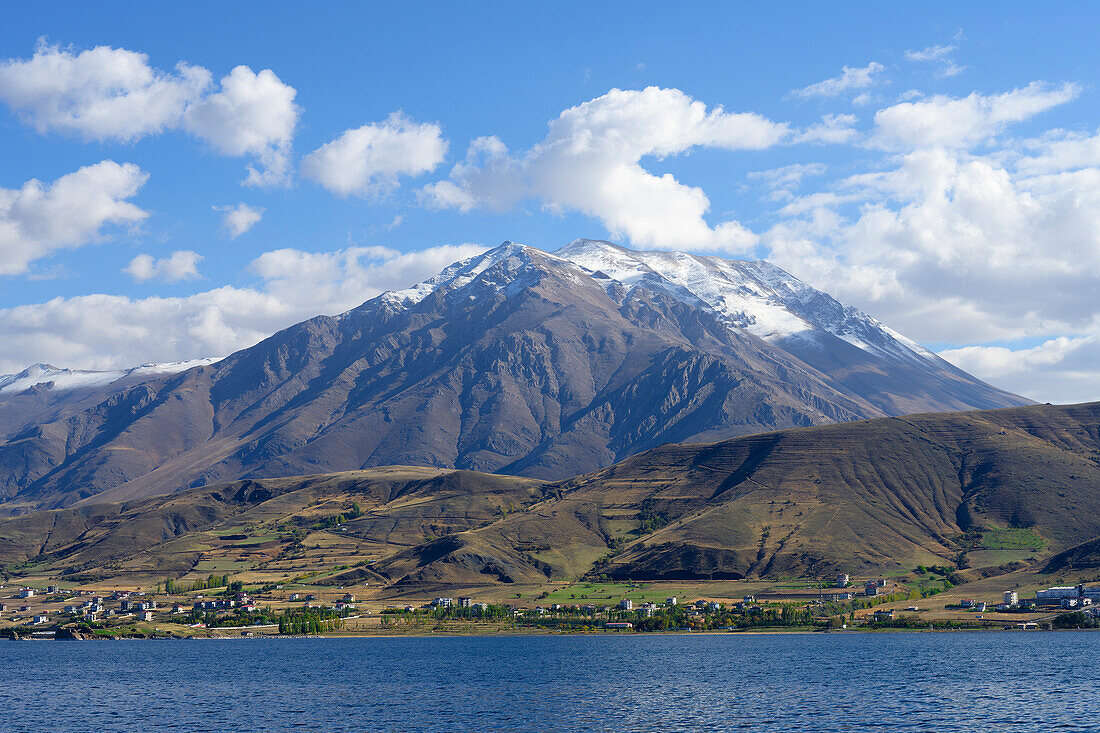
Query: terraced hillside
x=980, y=491
x=873, y=495
x=277, y=526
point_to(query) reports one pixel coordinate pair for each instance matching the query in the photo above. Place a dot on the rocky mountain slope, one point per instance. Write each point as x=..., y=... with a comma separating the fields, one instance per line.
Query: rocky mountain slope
x=42, y=390
x=854, y=350
x=515, y=361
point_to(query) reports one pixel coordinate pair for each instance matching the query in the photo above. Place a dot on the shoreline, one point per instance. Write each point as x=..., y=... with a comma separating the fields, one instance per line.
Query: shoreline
x=533, y=633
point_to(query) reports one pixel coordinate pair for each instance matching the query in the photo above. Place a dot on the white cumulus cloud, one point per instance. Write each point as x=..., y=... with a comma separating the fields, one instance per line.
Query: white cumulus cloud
x=349, y=276
x=591, y=162
x=967, y=236
x=949, y=247
x=782, y=181
x=100, y=94
x=962, y=122
x=930, y=53
x=1062, y=369
x=851, y=78
x=110, y=331
x=239, y=219
x=448, y=195
x=938, y=54
x=833, y=129
x=180, y=265
x=108, y=93
x=38, y=218
x=251, y=114
x=367, y=159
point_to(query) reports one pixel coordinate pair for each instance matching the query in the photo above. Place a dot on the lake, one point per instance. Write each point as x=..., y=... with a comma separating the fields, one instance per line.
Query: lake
x=816, y=682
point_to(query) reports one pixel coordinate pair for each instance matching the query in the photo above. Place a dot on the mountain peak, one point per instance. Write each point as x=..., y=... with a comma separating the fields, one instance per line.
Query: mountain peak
x=39, y=368
x=34, y=374
x=589, y=245
x=514, y=360
x=750, y=295
x=753, y=295
x=517, y=257
x=62, y=379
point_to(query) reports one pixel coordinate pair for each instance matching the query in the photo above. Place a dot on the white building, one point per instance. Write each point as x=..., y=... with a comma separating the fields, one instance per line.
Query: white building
x=670, y=601
x=842, y=580
x=1011, y=598
x=1058, y=591
x=41, y=618
x=26, y=593
x=1086, y=592
x=626, y=604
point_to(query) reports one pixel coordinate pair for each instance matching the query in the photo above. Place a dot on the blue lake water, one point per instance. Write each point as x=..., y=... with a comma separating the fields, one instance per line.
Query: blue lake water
x=820, y=682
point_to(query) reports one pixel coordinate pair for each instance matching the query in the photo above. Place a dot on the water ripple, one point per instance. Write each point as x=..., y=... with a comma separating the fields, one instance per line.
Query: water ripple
x=821, y=683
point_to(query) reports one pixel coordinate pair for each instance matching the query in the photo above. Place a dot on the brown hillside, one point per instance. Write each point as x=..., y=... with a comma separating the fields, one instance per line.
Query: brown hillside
x=980, y=490
x=875, y=495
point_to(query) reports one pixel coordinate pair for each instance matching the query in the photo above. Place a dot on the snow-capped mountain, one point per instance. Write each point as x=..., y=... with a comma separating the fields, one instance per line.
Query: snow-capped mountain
x=470, y=274
x=515, y=361
x=753, y=295
x=63, y=380
x=858, y=352
x=854, y=349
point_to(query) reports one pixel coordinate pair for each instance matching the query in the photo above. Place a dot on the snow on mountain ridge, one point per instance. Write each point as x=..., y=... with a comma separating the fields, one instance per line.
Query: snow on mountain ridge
x=516, y=257
x=459, y=274
x=64, y=380
x=751, y=294
x=717, y=285
x=827, y=313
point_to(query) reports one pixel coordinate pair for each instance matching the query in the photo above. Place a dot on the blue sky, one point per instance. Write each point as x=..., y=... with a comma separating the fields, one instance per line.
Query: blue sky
x=935, y=165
